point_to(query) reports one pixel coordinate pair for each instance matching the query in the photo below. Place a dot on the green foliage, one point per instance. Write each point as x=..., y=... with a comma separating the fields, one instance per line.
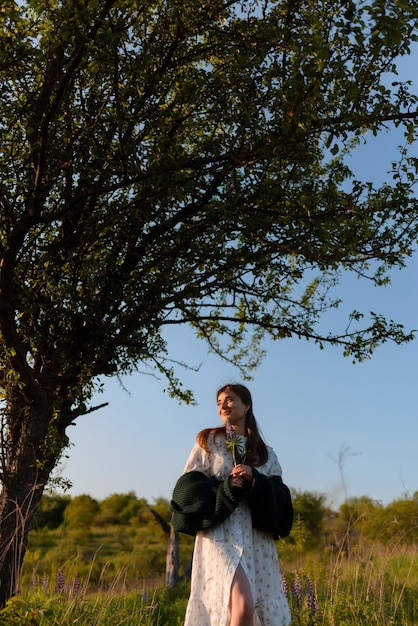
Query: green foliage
x=121, y=508
x=81, y=512
x=173, y=604
x=368, y=588
x=397, y=522
x=400, y=521
x=129, y=144
x=108, y=610
x=50, y=513
x=311, y=509
x=93, y=546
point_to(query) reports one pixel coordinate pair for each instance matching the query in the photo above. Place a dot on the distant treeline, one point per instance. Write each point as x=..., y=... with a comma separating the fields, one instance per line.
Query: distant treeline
x=124, y=537
x=312, y=513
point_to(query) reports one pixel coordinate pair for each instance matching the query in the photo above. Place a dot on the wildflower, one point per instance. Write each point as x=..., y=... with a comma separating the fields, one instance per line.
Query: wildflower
x=311, y=601
x=76, y=585
x=285, y=587
x=235, y=444
x=60, y=582
x=296, y=590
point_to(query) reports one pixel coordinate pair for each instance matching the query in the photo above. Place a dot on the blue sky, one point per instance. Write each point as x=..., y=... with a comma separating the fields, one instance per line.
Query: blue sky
x=338, y=428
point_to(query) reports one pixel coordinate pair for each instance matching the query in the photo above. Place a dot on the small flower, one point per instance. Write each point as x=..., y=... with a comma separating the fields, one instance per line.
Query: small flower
x=230, y=430
x=60, y=582
x=285, y=587
x=235, y=444
x=76, y=585
x=311, y=600
x=296, y=589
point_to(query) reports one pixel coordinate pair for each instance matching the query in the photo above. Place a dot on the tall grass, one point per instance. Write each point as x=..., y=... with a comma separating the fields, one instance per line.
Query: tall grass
x=368, y=585
x=105, y=610
x=371, y=585
x=64, y=601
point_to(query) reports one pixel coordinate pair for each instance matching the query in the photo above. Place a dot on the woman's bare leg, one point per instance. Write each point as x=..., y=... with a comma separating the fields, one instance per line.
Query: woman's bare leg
x=241, y=600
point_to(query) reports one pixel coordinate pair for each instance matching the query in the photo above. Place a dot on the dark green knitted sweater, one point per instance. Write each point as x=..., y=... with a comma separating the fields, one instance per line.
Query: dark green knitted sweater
x=200, y=502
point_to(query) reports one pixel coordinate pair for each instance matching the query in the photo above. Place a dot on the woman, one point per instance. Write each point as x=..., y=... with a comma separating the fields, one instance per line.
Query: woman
x=231, y=496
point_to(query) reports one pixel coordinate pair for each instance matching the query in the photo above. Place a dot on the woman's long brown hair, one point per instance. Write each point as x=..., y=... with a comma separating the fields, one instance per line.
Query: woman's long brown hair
x=257, y=450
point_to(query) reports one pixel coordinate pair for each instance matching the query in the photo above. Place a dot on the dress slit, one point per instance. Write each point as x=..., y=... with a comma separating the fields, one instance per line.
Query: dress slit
x=240, y=570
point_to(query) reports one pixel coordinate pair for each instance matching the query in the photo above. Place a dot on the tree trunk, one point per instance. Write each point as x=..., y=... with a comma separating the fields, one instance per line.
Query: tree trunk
x=172, y=559
x=31, y=446
x=18, y=503
x=172, y=553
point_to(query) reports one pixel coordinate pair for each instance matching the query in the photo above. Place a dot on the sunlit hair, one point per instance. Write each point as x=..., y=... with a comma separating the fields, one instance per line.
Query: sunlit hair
x=256, y=447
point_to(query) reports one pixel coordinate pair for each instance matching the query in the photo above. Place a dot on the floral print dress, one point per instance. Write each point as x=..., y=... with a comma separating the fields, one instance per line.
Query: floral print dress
x=219, y=550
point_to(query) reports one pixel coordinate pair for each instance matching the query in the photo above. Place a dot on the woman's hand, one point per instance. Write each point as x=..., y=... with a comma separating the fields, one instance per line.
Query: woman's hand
x=242, y=471
x=236, y=482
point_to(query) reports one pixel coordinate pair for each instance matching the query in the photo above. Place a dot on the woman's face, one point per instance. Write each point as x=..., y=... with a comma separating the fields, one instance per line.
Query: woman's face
x=231, y=408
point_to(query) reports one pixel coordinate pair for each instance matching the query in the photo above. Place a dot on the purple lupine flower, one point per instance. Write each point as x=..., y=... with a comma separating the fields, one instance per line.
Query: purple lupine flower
x=34, y=580
x=230, y=430
x=59, y=587
x=311, y=601
x=76, y=586
x=45, y=582
x=285, y=587
x=234, y=443
x=296, y=590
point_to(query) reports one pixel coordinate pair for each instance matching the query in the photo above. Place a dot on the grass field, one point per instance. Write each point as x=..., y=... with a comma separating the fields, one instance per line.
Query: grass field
x=358, y=567
x=372, y=585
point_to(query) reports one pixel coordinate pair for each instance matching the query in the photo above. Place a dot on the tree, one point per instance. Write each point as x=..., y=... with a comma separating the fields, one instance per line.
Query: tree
x=359, y=516
x=395, y=523
x=172, y=552
x=399, y=522
x=50, y=513
x=81, y=512
x=171, y=163
x=311, y=509
x=121, y=508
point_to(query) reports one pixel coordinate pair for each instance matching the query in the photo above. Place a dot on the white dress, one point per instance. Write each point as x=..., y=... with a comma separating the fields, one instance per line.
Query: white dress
x=218, y=552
